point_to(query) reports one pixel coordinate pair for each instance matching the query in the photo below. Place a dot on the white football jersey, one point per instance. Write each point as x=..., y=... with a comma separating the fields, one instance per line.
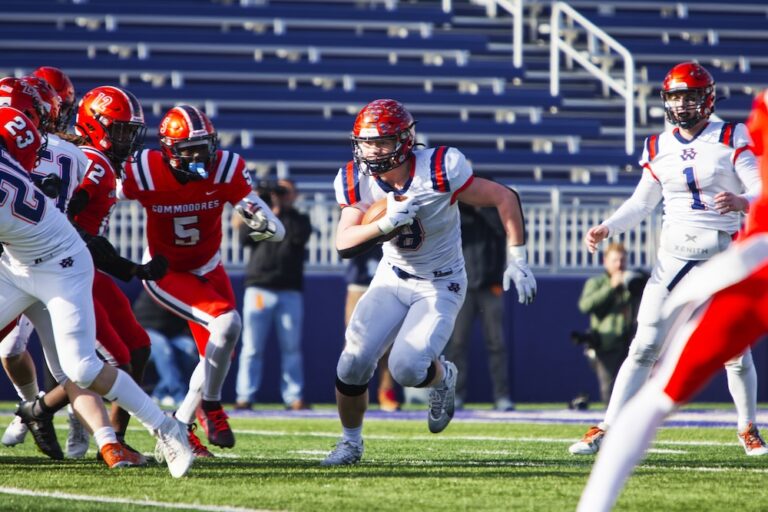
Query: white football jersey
x=690, y=174
x=430, y=247
x=31, y=228
x=66, y=161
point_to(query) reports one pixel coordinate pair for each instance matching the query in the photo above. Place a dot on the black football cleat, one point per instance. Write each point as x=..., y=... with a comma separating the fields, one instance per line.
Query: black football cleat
x=41, y=428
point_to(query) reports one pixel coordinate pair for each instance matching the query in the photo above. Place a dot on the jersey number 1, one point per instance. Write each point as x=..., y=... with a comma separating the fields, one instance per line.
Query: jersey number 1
x=691, y=179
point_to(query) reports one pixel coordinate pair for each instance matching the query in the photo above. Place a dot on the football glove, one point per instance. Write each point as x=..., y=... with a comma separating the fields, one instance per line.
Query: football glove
x=399, y=213
x=153, y=270
x=518, y=271
x=100, y=248
x=49, y=185
x=255, y=218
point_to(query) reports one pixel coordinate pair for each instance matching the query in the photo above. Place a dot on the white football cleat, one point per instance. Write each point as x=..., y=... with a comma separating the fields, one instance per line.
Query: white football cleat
x=78, y=437
x=346, y=453
x=173, y=447
x=441, y=399
x=750, y=440
x=590, y=443
x=15, y=432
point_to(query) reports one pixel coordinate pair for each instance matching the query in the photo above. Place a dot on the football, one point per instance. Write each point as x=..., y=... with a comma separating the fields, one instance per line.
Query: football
x=376, y=211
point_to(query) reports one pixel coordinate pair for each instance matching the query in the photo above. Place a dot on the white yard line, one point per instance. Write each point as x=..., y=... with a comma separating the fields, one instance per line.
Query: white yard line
x=443, y=437
x=127, y=501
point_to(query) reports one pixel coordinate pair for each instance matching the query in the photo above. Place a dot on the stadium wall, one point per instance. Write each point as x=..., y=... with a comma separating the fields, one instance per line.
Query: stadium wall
x=544, y=365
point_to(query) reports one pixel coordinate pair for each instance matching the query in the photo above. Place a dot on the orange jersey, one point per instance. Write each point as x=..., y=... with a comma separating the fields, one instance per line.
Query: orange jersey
x=100, y=182
x=184, y=220
x=757, y=219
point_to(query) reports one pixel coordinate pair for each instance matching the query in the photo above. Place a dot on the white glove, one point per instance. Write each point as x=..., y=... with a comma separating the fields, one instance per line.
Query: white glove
x=255, y=218
x=399, y=213
x=518, y=271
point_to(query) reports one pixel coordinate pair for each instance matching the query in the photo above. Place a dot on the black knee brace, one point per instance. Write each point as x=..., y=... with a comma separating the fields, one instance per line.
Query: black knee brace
x=431, y=372
x=350, y=389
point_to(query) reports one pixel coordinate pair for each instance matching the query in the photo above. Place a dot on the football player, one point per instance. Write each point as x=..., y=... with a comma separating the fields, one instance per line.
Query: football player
x=66, y=91
x=420, y=283
x=41, y=245
x=67, y=164
x=711, y=320
x=698, y=171
x=184, y=187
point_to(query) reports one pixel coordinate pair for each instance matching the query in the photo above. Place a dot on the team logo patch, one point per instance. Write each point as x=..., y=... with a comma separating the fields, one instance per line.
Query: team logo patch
x=454, y=287
x=688, y=154
x=66, y=262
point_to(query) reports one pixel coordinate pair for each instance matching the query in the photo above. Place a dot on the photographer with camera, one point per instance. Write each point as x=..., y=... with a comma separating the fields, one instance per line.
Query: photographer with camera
x=612, y=307
x=274, y=278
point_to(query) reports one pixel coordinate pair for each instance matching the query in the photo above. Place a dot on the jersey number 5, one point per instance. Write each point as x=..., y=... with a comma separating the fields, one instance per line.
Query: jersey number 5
x=184, y=232
x=691, y=179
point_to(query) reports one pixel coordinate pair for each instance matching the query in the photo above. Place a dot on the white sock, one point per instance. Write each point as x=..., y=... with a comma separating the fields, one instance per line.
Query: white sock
x=217, y=361
x=742, y=383
x=186, y=411
x=629, y=380
x=353, y=434
x=225, y=331
x=133, y=399
x=103, y=436
x=28, y=392
x=623, y=447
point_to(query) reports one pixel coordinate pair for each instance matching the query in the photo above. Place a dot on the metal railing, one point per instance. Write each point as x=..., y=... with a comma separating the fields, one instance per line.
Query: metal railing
x=556, y=219
x=562, y=39
x=513, y=7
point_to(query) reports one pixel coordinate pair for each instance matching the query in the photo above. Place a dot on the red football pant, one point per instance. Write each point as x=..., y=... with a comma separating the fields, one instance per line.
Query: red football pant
x=736, y=318
x=199, y=299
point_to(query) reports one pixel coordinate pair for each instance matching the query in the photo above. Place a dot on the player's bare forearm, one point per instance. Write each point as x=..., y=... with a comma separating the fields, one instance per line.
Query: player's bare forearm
x=482, y=192
x=350, y=233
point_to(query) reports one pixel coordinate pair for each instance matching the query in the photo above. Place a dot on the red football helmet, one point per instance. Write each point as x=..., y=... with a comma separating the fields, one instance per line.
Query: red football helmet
x=22, y=96
x=112, y=120
x=382, y=120
x=63, y=86
x=188, y=141
x=20, y=137
x=51, y=100
x=698, y=100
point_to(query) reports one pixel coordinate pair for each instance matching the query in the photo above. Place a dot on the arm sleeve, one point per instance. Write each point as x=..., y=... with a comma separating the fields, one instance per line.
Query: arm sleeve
x=745, y=164
x=644, y=199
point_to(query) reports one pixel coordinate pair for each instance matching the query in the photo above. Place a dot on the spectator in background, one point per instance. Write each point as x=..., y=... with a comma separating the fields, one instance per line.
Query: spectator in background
x=174, y=352
x=612, y=308
x=360, y=271
x=274, y=280
x=484, y=243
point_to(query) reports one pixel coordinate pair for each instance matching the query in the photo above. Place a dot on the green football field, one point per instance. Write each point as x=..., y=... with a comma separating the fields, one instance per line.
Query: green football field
x=483, y=461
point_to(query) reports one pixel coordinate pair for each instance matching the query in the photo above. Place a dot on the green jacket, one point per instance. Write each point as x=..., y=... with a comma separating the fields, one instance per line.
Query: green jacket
x=610, y=312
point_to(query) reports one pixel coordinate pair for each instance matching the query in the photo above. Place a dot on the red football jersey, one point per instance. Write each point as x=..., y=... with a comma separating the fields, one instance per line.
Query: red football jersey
x=757, y=219
x=100, y=183
x=184, y=221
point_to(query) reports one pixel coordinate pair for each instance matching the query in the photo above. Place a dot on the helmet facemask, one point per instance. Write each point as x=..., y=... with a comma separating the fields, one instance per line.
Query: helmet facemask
x=401, y=144
x=126, y=138
x=687, y=107
x=191, y=157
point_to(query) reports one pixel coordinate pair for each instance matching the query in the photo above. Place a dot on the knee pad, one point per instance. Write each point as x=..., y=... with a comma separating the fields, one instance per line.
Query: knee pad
x=355, y=369
x=85, y=371
x=226, y=327
x=350, y=389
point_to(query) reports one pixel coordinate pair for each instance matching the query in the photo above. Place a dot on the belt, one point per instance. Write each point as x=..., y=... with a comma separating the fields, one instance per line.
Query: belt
x=402, y=274
x=46, y=257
